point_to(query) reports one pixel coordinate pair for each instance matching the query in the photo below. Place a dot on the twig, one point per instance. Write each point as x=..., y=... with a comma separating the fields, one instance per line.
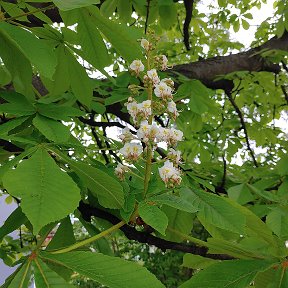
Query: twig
x=93, y=123
x=240, y=115
x=147, y=15
x=99, y=144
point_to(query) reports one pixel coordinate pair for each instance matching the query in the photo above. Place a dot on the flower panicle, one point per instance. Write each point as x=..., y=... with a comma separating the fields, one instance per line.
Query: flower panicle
x=149, y=132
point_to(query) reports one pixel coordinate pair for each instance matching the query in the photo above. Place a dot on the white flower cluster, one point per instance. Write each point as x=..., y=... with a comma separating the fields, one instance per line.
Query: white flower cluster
x=149, y=132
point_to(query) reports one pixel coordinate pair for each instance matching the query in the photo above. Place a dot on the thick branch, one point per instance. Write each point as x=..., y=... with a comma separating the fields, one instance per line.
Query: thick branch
x=209, y=69
x=131, y=233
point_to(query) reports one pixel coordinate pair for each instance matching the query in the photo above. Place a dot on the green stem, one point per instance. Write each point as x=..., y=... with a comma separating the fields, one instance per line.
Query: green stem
x=29, y=13
x=149, y=147
x=91, y=239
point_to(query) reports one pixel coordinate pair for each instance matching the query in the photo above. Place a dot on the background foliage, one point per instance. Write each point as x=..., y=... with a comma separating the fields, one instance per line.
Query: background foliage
x=63, y=85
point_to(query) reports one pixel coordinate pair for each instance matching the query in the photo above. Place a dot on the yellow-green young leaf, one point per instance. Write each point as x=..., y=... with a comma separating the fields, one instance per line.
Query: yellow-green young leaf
x=17, y=64
x=45, y=277
x=47, y=193
x=121, y=38
x=228, y=274
x=20, y=278
x=73, y=4
x=245, y=24
x=110, y=271
x=36, y=50
x=153, y=217
x=52, y=129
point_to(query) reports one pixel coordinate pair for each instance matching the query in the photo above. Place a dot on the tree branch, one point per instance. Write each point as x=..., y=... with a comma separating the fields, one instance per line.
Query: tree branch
x=131, y=233
x=189, y=10
x=243, y=126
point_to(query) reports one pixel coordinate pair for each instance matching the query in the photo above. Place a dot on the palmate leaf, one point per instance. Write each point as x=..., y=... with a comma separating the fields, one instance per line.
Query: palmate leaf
x=47, y=193
x=110, y=271
x=45, y=277
x=108, y=191
x=216, y=210
x=228, y=274
x=20, y=278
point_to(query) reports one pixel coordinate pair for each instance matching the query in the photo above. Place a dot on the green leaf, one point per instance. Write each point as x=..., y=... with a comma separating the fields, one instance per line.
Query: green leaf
x=216, y=210
x=282, y=166
x=168, y=15
x=64, y=235
x=120, y=37
x=17, y=64
x=52, y=129
x=124, y=8
x=5, y=77
x=108, y=7
x=109, y=271
x=13, y=222
x=58, y=112
x=277, y=221
x=275, y=277
x=173, y=201
x=47, y=193
x=264, y=194
x=228, y=274
x=197, y=262
x=98, y=107
x=36, y=50
x=81, y=84
x=20, y=278
x=45, y=277
x=236, y=26
x=12, y=124
x=178, y=220
x=245, y=24
x=92, y=44
x=73, y=4
x=153, y=216
x=240, y=193
x=108, y=191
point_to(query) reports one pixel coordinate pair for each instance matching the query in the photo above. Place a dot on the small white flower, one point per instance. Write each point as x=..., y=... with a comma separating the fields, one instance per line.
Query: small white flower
x=147, y=132
x=174, y=155
x=153, y=76
x=171, y=136
x=137, y=66
x=177, y=134
x=163, y=62
x=132, y=108
x=120, y=170
x=170, y=174
x=131, y=151
x=145, y=108
x=163, y=135
x=169, y=82
x=172, y=109
x=162, y=90
x=145, y=44
x=126, y=135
